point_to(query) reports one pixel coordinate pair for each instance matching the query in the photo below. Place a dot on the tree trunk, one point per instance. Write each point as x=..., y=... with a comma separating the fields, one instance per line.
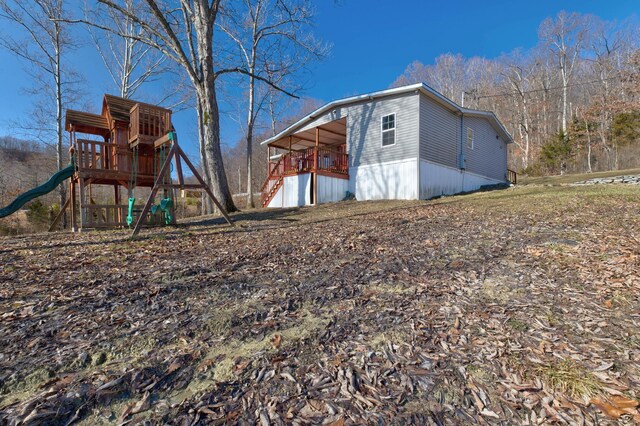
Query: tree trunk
x=207, y=204
x=209, y=121
x=586, y=124
x=250, y=122
x=564, y=102
x=59, y=127
x=212, y=152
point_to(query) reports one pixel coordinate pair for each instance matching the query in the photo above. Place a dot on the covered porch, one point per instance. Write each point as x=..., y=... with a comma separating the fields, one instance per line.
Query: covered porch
x=317, y=151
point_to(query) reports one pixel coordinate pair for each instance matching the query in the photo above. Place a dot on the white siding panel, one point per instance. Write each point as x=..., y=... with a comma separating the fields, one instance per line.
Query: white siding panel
x=439, y=133
x=364, y=134
x=437, y=180
x=277, y=200
x=395, y=180
x=331, y=189
x=489, y=154
x=297, y=190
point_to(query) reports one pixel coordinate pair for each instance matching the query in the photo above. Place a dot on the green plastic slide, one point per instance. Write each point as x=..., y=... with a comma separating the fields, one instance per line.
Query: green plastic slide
x=38, y=191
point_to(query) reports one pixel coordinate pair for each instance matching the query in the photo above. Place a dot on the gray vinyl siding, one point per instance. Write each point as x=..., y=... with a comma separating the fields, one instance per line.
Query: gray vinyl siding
x=364, y=132
x=439, y=133
x=488, y=156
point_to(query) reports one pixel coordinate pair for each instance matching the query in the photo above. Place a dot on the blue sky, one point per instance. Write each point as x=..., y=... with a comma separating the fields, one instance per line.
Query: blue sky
x=373, y=42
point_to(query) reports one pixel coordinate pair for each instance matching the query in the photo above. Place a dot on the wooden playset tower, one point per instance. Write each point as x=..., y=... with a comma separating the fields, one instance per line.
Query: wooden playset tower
x=130, y=145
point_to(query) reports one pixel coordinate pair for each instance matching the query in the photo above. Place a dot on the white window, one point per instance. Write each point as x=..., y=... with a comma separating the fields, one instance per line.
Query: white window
x=469, y=138
x=389, y=130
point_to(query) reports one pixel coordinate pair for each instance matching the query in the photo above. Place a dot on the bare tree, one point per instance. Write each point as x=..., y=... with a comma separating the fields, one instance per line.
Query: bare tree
x=184, y=31
x=45, y=42
x=517, y=74
x=129, y=62
x=564, y=36
x=274, y=40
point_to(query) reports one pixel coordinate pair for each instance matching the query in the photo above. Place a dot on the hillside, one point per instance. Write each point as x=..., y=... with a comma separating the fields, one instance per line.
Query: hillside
x=516, y=307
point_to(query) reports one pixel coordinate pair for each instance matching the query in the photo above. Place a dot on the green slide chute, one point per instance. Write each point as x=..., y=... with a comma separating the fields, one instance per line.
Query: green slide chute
x=38, y=191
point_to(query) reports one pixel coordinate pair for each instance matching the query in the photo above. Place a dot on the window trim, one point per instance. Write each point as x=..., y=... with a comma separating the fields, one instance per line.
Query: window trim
x=473, y=138
x=382, y=131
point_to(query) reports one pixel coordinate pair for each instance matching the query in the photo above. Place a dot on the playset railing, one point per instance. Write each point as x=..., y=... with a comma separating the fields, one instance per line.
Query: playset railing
x=148, y=123
x=94, y=155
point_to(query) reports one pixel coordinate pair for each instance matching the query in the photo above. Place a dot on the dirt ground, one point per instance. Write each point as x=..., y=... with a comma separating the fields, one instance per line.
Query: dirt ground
x=518, y=306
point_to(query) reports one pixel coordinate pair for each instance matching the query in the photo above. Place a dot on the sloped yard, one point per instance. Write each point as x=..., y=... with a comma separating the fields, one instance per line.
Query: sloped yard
x=511, y=307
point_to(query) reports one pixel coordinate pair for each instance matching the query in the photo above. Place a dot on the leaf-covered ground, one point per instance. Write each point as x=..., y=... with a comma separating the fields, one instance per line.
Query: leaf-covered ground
x=512, y=307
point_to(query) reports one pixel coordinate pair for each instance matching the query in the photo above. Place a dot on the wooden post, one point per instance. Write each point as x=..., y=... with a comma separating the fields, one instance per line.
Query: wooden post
x=159, y=181
x=61, y=213
x=204, y=185
x=268, y=160
x=74, y=212
x=175, y=152
x=315, y=168
x=83, y=208
x=116, y=201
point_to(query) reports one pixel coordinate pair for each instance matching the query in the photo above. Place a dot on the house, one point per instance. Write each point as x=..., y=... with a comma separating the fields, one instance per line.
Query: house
x=405, y=143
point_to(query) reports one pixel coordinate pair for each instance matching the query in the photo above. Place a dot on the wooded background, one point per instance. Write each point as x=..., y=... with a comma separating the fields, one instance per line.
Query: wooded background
x=571, y=102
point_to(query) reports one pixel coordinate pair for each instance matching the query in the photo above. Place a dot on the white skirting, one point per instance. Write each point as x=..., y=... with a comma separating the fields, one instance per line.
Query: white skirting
x=296, y=191
x=396, y=180
x=437, y=180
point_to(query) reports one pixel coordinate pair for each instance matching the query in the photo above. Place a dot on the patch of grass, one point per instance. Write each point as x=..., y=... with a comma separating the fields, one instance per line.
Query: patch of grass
x=517, y=324
x=570, y=378
x=496, y=288
x=620, y=299
x=225, y=355
x=381, y=340
x=558, y=248
x=19, y=388
x=479, y=373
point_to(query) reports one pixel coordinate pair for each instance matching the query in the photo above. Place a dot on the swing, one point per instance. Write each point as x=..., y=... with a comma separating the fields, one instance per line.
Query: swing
x=132, y=186
x=166, y=204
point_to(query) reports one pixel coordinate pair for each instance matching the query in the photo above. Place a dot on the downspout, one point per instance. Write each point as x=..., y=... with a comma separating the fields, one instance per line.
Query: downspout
x=461, y=159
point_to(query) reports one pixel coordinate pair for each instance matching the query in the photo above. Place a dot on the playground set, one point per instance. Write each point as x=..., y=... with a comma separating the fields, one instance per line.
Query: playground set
x=138, y=149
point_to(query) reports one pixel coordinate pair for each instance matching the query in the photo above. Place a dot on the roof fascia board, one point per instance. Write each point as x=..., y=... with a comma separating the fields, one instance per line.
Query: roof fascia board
x=423, y=88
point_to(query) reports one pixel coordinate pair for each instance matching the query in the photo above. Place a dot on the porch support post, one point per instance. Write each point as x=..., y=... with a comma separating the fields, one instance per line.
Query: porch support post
x=315, y=167
x=289, y=144
x=116, y=201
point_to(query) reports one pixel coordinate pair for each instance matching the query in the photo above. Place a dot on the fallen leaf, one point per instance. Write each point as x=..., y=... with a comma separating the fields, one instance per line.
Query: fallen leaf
x=615, y=406
x=276, y=341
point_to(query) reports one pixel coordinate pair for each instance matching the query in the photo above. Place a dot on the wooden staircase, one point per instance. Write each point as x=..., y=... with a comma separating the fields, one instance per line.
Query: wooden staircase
x=273, y=183
x=266, y=199
x=322, y=160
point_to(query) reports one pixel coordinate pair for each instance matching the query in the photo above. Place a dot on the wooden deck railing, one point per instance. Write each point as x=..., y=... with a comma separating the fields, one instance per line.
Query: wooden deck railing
x=276, y=172
x=148, y=123
x=333, y=161
x=297, y=162
x=512, y=176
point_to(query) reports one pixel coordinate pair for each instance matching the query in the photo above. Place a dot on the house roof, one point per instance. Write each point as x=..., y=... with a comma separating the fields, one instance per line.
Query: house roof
x=421, y=87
